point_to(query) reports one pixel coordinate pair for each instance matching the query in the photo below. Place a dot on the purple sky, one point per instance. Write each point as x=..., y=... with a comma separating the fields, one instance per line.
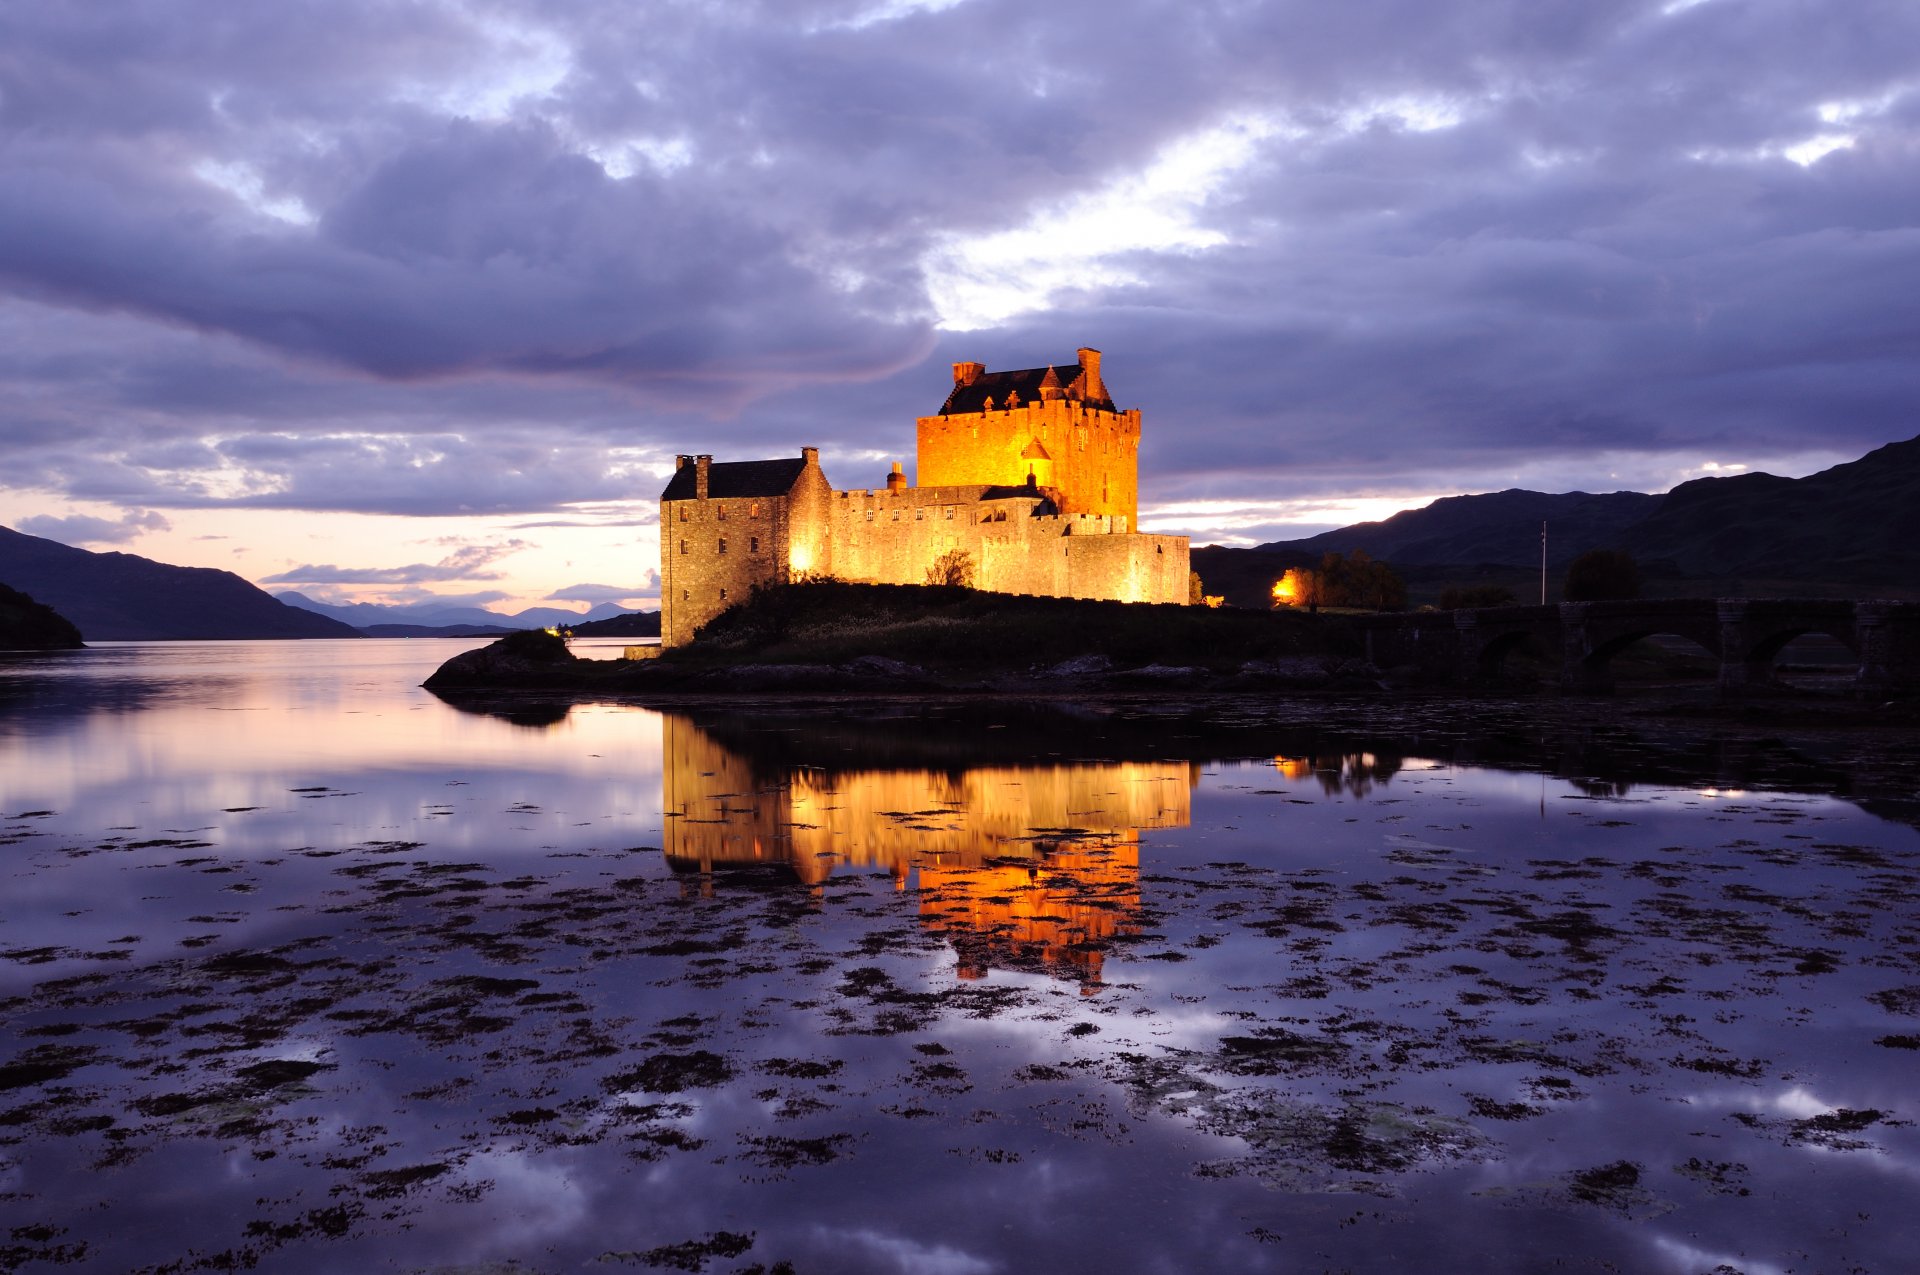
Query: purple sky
x=383, y=299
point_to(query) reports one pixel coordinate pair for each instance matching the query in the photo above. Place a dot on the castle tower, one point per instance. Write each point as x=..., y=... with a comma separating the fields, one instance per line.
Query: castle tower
x=1057, y=424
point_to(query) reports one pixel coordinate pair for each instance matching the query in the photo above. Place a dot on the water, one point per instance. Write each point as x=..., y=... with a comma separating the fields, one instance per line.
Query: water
x=306, y=970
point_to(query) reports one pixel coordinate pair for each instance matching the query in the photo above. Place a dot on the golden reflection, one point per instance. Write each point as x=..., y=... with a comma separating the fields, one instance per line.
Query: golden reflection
x=1354, y=774
x=1029, y=866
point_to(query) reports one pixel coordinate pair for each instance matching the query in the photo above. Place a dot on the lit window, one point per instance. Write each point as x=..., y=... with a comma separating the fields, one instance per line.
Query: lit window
x=753, y=510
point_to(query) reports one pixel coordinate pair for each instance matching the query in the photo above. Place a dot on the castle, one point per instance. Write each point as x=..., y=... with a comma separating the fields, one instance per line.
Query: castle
x=1033, y=474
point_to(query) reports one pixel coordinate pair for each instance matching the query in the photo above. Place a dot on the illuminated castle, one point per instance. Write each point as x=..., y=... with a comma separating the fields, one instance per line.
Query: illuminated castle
x=1033, y=475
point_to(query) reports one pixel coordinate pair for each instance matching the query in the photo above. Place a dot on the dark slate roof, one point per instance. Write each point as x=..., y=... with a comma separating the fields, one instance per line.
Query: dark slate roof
x=730, y=478
x=972, y=398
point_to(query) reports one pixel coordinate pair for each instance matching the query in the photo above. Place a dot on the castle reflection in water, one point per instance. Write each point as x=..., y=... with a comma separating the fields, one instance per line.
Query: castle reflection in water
x=1033, y=866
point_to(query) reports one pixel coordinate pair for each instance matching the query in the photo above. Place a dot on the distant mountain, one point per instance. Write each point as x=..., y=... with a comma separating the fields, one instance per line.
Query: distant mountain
x=26, y=625
x=1853, y=529
x=365, y=615
x=1499, y=528
x=119, y=597
x=1856, y=524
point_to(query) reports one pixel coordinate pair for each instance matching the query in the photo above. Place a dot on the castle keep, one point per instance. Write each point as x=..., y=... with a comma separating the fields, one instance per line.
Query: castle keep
x=1034, y=474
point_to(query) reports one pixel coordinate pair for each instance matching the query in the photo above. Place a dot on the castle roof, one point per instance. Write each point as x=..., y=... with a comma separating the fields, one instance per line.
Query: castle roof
x=729, y=478
x=1028, y=382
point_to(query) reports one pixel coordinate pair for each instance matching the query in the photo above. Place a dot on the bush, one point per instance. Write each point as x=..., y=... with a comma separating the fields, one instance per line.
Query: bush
x=1602, y=575
x=1460, y=597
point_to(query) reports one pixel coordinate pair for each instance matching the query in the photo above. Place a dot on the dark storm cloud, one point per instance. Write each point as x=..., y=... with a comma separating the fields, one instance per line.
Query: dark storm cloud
x=501, y=259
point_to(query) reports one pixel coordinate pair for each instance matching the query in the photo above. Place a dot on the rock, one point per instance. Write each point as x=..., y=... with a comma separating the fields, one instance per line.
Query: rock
x=534, y=657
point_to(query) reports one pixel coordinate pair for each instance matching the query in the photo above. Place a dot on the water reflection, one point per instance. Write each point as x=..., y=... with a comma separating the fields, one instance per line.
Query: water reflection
x=1030, y=866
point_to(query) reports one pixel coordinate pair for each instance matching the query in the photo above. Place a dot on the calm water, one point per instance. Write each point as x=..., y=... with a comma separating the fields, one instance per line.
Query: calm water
x=306, y=970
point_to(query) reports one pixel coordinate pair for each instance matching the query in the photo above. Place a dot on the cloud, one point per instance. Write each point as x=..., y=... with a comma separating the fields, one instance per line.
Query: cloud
x=469, y=562
x=80, y=529
x=437, y=260
x=595, y=593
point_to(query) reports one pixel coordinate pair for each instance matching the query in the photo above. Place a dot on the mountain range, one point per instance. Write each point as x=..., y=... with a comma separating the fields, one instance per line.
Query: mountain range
x=1852, y=530
x=122, y=597
x=369, y=616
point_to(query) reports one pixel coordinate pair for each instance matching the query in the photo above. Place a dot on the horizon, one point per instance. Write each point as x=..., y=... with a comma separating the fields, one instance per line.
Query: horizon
x=416, y=304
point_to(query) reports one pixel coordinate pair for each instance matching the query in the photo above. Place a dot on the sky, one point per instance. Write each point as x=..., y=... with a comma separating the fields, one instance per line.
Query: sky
x=390, y=301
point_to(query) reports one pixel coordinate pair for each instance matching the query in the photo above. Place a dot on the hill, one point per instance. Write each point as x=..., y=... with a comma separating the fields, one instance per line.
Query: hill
x=121, y=597
x=1500, y=528
x=1853, y=529
x=26, y=625
x=1855, y=525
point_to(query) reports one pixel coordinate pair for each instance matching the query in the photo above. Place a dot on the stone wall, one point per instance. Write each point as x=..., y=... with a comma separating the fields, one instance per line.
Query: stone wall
x=1092, y=456
x=714, y=551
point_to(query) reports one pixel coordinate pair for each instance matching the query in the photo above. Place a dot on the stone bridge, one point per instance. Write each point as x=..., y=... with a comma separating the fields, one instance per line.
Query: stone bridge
x=1746, y=635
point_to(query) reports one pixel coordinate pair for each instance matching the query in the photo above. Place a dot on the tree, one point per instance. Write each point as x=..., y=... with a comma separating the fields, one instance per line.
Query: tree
x=954, y=567
x=1299, y=587
x=1459, y=597
x=1340, y=581
x=1601, y=575
x=1196, y=592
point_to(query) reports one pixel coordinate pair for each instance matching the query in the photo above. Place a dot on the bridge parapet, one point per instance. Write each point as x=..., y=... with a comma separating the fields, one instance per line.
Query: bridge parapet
x=1745, y=635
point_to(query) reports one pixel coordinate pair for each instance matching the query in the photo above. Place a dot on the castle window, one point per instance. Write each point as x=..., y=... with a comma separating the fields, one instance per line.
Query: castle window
x=723, y=544
x=683, y=546
x=949, y=513
x=918, y=514
x=683, y=513
x=753, y=544
x=685, y=594
x=753, y=510
x=896, y=515
x=720, y=512
x=723, y=595
x=869, y=515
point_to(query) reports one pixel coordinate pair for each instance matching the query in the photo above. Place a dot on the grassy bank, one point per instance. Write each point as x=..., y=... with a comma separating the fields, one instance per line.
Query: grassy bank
x=964, y=629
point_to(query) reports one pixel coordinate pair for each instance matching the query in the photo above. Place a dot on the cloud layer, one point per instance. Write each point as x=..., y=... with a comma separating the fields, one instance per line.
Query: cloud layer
x=503, y=259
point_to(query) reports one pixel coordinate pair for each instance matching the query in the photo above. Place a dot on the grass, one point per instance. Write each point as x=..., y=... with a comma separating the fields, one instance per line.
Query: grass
x=832, y=622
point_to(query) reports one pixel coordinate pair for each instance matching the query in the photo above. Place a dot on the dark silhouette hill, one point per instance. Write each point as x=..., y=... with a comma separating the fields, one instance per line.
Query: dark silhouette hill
x=1856, y=524
x=1498, y=528
x=1853, y=529
x=26, y=625
x=118, y=597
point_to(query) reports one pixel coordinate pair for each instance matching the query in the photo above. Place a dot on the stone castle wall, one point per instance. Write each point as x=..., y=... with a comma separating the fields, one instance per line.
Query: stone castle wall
x=1093, y=456
x=714, y=552
x=894, y=536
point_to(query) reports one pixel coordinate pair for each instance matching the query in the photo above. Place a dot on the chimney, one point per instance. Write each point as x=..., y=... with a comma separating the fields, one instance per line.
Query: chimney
x=968, y=373
x=681, y=462
x=1095, y=390
x=701, y=465
x=896, y=481
x=811, y=455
